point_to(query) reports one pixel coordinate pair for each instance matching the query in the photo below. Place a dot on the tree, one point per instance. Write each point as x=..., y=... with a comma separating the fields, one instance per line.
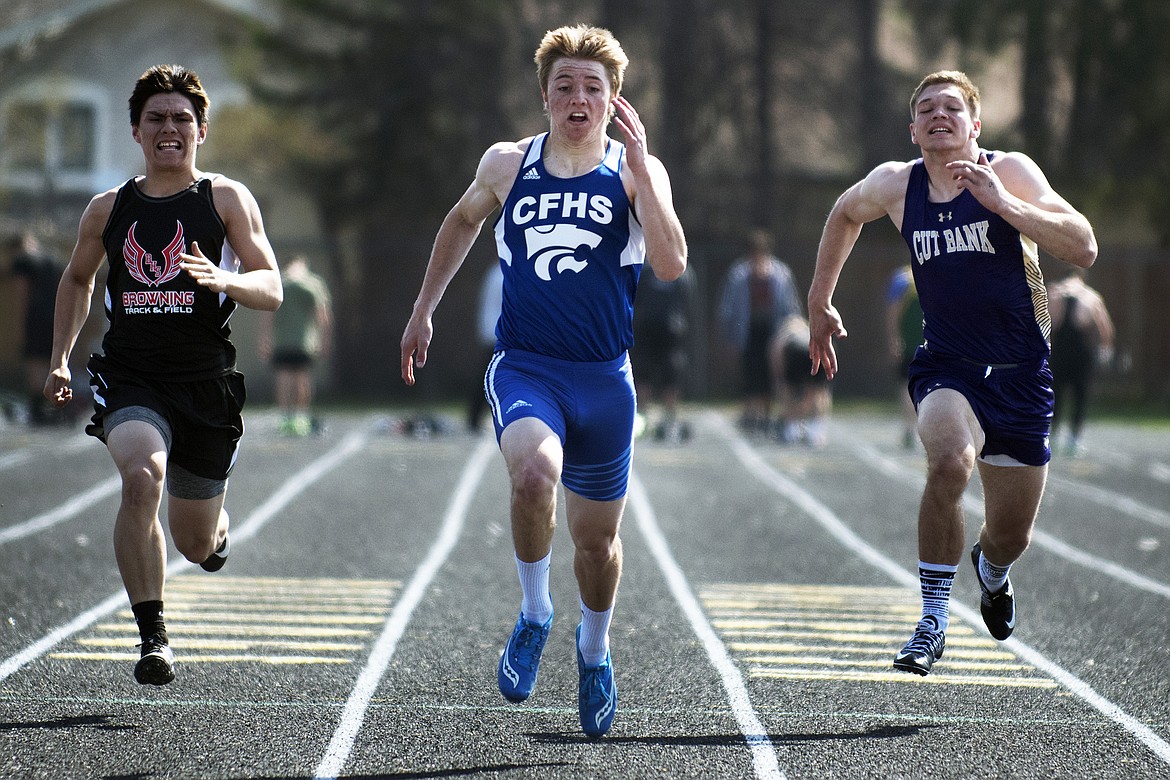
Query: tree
x=382, y=110
x=1095, y=93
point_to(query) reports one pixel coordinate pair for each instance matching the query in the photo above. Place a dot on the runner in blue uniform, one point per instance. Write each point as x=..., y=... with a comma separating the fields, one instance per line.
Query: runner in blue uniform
x=183, y=247
x=580, y=215
x=973, y=221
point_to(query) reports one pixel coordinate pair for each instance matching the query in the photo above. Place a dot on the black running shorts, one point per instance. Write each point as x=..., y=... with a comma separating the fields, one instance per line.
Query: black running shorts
x=204, y=416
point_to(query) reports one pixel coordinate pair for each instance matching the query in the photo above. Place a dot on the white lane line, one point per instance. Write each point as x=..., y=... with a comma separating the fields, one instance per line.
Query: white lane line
x=823, y=515
x=1115, y=502
x=354, y=713
x=15, y=458
x=66, y=511
x=10, y=459
x=291, y=488
x=754, y=733
x=1041, y=538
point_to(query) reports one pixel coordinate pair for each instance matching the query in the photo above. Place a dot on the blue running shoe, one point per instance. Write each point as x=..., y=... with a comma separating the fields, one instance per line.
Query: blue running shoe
x=521, y=658
x=596, y=694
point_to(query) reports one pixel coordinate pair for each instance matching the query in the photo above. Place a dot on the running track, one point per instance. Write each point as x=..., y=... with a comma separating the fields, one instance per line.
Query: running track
x=356, y=628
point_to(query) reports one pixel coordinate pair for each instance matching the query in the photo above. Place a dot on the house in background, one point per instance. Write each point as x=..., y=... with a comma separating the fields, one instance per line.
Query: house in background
x=66, y=71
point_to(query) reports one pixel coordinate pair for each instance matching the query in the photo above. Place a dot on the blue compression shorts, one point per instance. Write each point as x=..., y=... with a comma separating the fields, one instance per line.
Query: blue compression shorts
x=590, y=406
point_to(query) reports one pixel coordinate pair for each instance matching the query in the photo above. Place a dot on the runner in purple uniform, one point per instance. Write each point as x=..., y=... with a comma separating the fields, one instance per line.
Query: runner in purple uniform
x=973, y=221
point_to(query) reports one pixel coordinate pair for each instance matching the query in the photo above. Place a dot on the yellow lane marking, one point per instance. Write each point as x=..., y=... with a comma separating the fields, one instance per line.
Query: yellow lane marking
x=208, y=659
x=827, y=632
x=177, y=629
x=881, y=663
x=857, y=634
x=194, y=615
x=266, y=606
x=220, y=583
x=235, y=644
x=953, y=651
x=269, y=620
x=934, y=677
x=840, y=623
x=816, y=615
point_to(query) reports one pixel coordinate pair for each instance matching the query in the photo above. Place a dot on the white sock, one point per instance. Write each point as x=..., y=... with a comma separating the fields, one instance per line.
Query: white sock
x=936, y=580
x=993, y=576
x=537, y=604
x=594, y=640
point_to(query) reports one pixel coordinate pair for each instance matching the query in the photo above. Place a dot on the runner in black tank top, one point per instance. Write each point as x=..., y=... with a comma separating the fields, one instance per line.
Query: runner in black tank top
x=165, y=388
x=152, y=306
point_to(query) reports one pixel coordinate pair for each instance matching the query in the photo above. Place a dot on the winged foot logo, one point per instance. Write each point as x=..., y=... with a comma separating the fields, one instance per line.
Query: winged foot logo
x=142, y=265
x=549, y=244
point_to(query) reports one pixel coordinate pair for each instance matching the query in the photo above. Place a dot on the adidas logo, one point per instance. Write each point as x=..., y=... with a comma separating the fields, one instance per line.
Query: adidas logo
x=531, y=174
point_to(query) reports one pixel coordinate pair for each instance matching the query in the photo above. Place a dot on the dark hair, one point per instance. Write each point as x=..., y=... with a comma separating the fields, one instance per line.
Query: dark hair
x=168, y=78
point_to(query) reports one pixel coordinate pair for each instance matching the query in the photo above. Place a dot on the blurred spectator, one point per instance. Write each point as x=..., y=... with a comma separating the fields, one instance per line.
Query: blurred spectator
x=904, y=334
x=805, y=398
x=758, y=295
x=37, y=274
x=1082, y=340
x=491, y=295
x=661, y=331
x=294, y=338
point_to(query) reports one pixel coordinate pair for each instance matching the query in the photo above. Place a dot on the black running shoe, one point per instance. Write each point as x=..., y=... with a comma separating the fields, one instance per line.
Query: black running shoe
x=999, y=608
x=924, y=648
x=157, y=664
x=217, y=559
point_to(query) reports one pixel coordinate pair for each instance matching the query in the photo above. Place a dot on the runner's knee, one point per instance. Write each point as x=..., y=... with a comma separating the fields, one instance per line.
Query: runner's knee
x=142, y=483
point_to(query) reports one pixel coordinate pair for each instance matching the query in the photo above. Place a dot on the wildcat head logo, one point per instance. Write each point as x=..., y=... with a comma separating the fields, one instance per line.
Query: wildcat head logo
x=142, y=265
x=559, y=243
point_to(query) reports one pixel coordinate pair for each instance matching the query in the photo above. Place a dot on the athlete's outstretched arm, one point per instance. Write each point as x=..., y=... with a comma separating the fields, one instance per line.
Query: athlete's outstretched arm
x=666, y=245
x=452, y=243
x=74, y=293
x=865, y=201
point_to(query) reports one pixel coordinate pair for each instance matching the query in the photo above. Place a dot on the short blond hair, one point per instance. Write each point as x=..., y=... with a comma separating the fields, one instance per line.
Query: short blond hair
x=956, y=77
x=582, y=42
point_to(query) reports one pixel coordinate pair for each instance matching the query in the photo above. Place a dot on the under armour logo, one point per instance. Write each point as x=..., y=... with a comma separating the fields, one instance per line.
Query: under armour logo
x=944, y=216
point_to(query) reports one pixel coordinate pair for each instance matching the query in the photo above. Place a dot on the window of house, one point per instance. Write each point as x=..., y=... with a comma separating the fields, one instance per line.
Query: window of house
x=76, y=137
x=49, y=138
x=25, y=137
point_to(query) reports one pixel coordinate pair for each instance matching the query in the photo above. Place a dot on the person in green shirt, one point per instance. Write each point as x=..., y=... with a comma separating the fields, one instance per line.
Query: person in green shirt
x=294, y=338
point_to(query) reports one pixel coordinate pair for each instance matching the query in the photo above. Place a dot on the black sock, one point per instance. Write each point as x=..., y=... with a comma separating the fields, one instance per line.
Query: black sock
x=149, y=616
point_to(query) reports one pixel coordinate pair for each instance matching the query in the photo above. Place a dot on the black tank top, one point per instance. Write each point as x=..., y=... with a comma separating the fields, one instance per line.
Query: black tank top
x=162, y=324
